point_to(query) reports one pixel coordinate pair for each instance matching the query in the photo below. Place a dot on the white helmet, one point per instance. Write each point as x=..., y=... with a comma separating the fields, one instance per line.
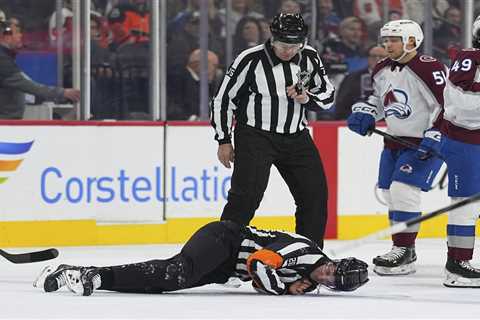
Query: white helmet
x=476, y=33
x=403, y=29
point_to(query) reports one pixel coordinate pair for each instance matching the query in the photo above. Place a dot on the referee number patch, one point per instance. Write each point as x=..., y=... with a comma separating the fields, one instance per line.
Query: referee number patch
x=230, y=71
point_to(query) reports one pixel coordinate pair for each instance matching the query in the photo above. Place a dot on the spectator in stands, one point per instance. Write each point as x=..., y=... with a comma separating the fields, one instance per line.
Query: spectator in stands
x=415, y=9
x=105, y=6
x=371, y=13
x=135, y=18
x=67, y=27
x=290, y=6
x=347, y=48
x=99, y=30
x=184, y=90
x=265, y=26
x=215, y=23
x=120, y=34
x=101, y=71
x=14, y=83
x=2, y=16
x=185, y=41
x=247, y=35
x=327, y=20
x=120, y=81
x=272, y=7
x=240, y=9
x=448, y=35
x=357, y=86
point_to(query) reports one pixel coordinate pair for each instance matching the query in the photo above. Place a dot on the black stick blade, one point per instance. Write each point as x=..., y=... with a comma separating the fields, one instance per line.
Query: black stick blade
x=29, y=257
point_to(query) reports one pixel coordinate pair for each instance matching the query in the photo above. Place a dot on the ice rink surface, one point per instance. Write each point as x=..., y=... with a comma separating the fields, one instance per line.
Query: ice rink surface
x=420, y=295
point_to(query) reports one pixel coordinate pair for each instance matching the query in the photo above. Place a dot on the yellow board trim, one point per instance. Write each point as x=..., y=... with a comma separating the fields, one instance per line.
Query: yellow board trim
x=356, y=226
x=88, y=232
x=46, y=233
x=178, y=230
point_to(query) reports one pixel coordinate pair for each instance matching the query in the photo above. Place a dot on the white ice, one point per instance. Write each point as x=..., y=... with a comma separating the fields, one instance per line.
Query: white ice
x=420, y=295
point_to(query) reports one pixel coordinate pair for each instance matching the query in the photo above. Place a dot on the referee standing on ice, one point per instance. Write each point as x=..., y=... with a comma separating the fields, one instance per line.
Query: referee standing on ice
x=268, y=89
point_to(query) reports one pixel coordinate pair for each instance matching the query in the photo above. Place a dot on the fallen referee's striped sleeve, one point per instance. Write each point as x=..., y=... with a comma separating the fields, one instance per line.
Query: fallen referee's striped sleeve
x=261, y=267
x=267, y=279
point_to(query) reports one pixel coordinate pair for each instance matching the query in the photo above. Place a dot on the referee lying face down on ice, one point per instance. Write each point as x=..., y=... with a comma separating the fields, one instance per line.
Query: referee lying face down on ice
x=278, y=263
x=267, y=90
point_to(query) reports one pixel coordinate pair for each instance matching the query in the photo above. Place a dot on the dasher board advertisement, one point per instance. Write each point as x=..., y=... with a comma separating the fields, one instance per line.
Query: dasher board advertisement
x=118, y=174
x=81, y=172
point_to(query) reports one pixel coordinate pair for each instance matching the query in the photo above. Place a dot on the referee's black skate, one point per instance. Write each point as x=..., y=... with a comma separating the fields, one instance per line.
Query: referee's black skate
x=52, y=279
x=398, y=261
x=461, y=274
x=82, y=280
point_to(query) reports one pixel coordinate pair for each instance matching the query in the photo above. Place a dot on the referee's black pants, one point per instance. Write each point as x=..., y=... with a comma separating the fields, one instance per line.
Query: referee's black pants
x=297, y=159
x=209, y=256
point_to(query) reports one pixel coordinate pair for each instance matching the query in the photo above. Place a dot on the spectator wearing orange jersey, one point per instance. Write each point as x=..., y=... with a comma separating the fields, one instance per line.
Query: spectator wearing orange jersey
x=135, y=19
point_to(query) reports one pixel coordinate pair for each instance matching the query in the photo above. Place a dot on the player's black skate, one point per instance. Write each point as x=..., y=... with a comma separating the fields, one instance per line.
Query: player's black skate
x=460, y=274
x=52, y=279
x=398, y=261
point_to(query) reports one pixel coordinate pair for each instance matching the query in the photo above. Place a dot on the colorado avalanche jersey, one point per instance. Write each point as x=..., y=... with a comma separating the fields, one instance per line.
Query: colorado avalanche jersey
x=462, y=98
x=409, y=96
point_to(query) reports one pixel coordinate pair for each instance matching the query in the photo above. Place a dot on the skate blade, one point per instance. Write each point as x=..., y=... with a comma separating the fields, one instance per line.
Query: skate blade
x=40, y=280
x=402, y=270
x=453, y=280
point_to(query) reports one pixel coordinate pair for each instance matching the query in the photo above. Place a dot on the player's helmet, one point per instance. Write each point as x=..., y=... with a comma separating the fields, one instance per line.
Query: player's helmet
x=404, y=29
x=476, y=33
x=289, y=28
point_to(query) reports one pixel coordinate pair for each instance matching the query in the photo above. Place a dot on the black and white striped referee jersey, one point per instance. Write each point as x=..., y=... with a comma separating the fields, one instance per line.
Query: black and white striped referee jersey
x=254, y=90
x=297, y=253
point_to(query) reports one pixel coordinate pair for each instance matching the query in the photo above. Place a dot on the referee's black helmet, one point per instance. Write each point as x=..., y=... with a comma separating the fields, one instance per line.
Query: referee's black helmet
x=289, y=28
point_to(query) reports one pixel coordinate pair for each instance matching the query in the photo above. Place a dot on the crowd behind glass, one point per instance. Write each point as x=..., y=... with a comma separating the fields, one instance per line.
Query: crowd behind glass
x=346, y=36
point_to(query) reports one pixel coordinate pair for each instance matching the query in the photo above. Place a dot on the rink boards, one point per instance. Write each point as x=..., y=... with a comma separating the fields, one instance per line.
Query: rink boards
x=81, y=183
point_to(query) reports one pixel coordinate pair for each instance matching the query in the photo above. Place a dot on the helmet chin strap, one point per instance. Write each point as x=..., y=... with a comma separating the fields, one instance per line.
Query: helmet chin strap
x=405, y=52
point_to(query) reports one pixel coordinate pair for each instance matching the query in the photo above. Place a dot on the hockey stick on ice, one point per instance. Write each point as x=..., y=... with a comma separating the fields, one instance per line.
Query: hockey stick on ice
x=399, y=227
x=29, y=257
x=405, y=143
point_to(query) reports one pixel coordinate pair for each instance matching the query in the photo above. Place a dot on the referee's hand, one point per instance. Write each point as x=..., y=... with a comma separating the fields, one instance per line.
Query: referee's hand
x=225, y=154
x=299, y=286
x=300, y=98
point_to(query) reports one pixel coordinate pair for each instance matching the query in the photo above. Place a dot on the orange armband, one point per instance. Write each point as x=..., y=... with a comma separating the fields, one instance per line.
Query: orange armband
x=267, y=257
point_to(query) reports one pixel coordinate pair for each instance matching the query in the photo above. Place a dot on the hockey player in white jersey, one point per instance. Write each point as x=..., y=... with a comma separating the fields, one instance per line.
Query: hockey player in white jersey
x=408, y=94
x=461, y=151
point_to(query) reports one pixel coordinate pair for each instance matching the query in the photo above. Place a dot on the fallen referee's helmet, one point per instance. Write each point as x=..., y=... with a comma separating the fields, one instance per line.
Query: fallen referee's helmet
x=289, y=28
x=351, y=273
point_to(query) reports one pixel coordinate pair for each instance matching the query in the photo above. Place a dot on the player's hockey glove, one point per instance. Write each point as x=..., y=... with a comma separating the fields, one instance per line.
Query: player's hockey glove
x=362, y=119
x=430, y=145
